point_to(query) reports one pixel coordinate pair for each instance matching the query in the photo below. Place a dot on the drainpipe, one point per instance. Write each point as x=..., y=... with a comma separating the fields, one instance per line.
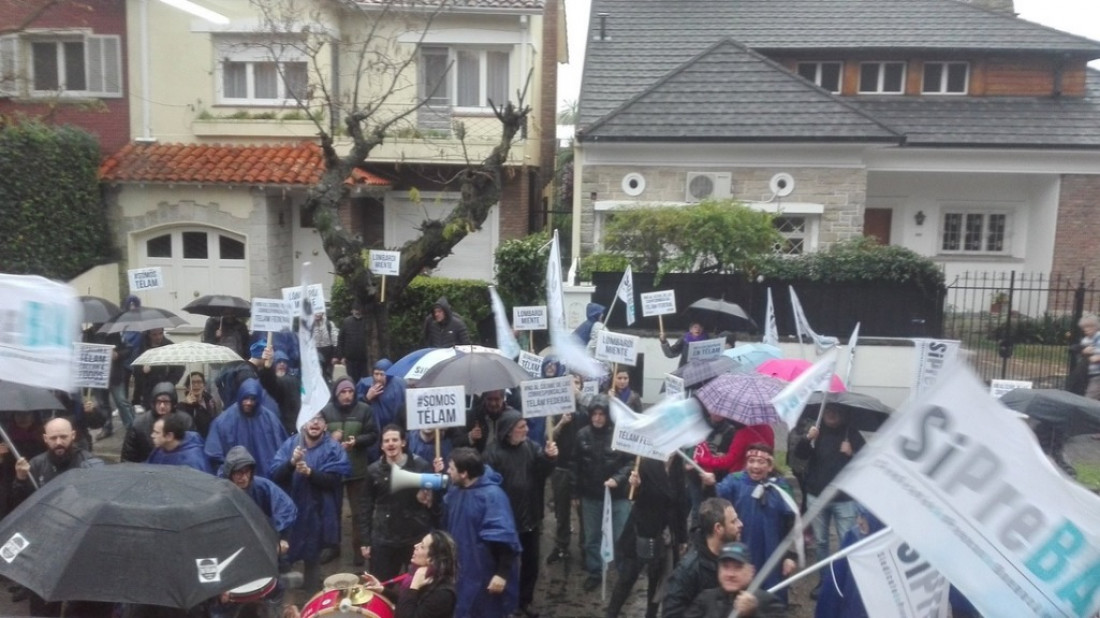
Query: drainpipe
x=146, y=105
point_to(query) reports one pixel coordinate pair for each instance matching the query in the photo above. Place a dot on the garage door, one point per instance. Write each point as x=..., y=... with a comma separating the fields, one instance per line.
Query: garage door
x=473, y=257
x=195, y=260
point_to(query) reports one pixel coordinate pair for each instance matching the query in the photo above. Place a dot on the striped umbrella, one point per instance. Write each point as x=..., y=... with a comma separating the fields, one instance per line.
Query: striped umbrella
x=742, y=397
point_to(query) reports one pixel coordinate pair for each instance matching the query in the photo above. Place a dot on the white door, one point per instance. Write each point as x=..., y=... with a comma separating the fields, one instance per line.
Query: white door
x=473, y=256
x=195, y=260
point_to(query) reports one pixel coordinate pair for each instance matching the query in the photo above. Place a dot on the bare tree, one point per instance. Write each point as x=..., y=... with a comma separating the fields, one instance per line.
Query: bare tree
x=22, y=14
x=366, y=112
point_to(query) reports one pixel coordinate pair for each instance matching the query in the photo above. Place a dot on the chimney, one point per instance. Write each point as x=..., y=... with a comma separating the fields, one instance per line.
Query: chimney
x=998, y=6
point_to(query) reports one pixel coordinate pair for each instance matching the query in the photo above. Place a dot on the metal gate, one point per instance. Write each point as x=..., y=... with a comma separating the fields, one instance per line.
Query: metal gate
x=1019, y=326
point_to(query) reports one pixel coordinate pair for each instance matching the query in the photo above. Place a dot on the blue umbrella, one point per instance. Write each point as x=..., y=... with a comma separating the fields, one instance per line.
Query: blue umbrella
x=406, y=362
x=754, y=354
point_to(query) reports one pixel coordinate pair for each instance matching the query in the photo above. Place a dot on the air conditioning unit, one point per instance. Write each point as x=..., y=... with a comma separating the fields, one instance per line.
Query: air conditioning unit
x=707, y=185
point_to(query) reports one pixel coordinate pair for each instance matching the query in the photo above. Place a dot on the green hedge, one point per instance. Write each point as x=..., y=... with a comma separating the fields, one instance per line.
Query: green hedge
x=861, y=259
x=54, y=219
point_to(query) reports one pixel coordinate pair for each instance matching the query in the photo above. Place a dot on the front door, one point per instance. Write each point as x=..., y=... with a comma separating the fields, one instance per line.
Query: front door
x=876, y=224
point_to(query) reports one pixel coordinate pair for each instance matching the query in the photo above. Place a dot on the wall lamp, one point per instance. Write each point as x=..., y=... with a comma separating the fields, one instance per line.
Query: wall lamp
x=919, y=217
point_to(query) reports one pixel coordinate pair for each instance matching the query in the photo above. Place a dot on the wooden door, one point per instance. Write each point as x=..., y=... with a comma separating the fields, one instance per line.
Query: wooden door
x=876, y=224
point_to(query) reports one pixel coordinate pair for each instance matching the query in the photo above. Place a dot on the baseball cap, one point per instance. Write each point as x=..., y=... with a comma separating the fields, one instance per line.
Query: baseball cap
x=738, y=552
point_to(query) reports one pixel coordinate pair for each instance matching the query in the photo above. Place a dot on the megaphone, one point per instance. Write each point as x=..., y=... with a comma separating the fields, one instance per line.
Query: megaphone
x=403, y=479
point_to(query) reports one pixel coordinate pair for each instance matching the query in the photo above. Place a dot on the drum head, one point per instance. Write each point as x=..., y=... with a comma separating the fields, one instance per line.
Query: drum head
x=341, y=581
x=253, y=590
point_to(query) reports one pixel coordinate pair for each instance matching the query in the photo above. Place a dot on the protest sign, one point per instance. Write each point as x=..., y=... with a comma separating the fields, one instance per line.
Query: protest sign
x=590, y=388
x=1000, y=387
x=706, y=349
x=658, y=303
x=984, y=508
x=39, y=321
x=530, y=318
x=616, y=348
x=92, y=365
x=142, y=279
x=625, y=439
x=547, y=397
x=893, y=579
x=931, y=356
x=316, y=296
x=531, y=363
x=272, y=315
x=674, y=387
x=436, y=408
x=386, y=263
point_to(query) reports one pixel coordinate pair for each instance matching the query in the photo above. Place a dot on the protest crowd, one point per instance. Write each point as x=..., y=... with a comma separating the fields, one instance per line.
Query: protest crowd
x=447, y=484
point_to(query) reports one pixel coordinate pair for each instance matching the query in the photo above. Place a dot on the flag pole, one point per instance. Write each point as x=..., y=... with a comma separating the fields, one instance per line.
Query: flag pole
x=817, y=566
x=637, y=465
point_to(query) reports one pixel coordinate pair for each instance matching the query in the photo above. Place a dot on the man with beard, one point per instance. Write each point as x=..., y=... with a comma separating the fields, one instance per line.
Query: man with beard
x=311, y=468
x=392, y=522
x=482, y=426
x=698, y=571
x=62, y=454
x=351, y=424
x=138, y=443
x=246, y=423
x=175, y=445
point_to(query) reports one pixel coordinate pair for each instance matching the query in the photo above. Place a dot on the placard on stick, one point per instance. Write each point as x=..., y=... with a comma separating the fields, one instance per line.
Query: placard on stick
x=706, y=349
x=531, y=363
x=272, y=315
x=547, y=397
x=530, y=318
x=617, y=348
x=674, y=387
x=92, y=365
x=316, y=297
x=662, y=302
x=142, y=279
x=436, y=408
x=387, y=264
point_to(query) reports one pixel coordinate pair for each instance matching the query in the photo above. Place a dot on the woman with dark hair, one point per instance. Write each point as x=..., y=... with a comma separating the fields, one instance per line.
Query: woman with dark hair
x=429, y=590
x=198, y=403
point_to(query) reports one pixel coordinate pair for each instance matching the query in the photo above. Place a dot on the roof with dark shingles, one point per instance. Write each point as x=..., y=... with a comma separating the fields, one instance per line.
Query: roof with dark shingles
x=731, y=93
x=648, y=39
x=525, y=5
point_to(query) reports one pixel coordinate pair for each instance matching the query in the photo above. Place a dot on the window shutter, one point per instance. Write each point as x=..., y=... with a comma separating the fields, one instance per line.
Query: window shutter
x=104, y=58
x=9, y=65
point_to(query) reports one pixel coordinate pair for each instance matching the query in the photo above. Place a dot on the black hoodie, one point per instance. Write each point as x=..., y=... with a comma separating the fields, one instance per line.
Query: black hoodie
x=524, y=468
x=450, y=332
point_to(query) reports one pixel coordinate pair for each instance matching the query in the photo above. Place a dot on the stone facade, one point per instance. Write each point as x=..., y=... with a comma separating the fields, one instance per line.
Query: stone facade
x=841, y=191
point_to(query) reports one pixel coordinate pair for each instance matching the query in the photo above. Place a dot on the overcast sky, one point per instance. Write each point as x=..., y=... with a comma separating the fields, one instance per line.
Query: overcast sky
x=1077, y=16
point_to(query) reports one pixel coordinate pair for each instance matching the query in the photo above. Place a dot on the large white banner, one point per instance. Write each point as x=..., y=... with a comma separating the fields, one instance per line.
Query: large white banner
x=894, y=580
x=625, y=439
x=39, y=321
x=932, y=355
x=506, y=339
x=963, y=480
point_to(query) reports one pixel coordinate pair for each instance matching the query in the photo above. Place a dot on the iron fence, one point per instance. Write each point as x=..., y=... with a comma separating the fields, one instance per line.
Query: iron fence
x=1019, y=326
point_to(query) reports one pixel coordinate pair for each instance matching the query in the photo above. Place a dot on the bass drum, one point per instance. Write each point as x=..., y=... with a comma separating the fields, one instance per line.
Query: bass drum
x=348, y=603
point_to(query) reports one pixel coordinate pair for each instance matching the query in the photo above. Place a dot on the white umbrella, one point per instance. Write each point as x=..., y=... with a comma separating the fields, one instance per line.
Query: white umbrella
x=187, y=352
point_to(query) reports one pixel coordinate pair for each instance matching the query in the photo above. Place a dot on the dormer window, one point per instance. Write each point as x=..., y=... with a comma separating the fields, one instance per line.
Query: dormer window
x=882, y=78
x=824, y=74
x=945, y=77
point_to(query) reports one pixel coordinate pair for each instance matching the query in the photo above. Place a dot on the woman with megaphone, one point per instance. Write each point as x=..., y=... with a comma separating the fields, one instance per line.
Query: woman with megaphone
x=394, y=516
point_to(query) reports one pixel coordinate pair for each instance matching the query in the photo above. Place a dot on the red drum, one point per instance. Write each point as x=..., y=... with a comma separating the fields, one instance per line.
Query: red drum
x=252, y=591
x=338, y=604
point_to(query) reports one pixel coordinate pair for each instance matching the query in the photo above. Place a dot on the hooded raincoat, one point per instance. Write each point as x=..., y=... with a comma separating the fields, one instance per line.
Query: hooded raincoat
x=188, y=453
x=261, y=432
x=271, y=499
x=450, y=332
x=318, y=496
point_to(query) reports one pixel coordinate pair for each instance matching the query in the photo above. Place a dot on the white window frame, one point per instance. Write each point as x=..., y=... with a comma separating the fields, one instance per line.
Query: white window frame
x=809, y=234
x=250, y=52
x=941, y=88
x=881, y=75
x=102, y=60
x=964, y=212
x=817, y=73
x=483, y=74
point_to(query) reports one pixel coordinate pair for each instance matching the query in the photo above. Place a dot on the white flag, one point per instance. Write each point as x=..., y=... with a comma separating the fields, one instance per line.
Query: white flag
x=821, y=342
x=932, y=356
x=851, y=356
x=315, y=393
x=506, y=339
x=771, y=331
x=626, y=294
x=962, y=480
x=567, y=348
x=790, y=401
x=673, y=424
x=894, y=580
x=607, y=540
x=39, y=321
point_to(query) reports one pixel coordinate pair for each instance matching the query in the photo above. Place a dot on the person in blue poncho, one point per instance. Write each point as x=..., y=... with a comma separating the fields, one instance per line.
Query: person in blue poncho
x=839, y=596
x=176, y=446
x=246, y=423
x=477, y=514
x=768, y=516
x=311, y=467
x=593, y=312
x=386, y=397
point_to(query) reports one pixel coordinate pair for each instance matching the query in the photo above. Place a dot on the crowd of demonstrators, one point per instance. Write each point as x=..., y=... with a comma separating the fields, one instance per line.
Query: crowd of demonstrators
x=718, y=524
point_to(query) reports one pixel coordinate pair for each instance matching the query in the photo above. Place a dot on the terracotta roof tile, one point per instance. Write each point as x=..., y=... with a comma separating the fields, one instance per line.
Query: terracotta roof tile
x=459, y=5
x=289, y=164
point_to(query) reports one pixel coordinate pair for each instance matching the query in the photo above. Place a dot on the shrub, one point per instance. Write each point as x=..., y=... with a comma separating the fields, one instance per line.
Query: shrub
x=601, y=262
x=861, y=259
x=468, y=298
x=1047, y=329
x=521, y=270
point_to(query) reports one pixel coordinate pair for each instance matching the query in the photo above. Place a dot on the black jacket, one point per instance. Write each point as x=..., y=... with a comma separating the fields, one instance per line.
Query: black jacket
x=451, y=331
x=352, y=342
x=661, y=500
x=524, y=468
x=479, y=417
x=717, y=603
x=44, y=469
x=566, y=436
x=138, y=443
x=824, y=459
x=390, y=518
x=697, y=572
x=594, y=462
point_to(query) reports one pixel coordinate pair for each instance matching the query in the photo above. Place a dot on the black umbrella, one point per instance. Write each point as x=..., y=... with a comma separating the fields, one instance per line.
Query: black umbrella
x=141, y=319
x=865, y=413
x=720, y=314
x=98, y=310
x=1074, y=413
x=477, y=371
x=16, y=397
x=137, y=533
x=217, y=305
x=697, y=372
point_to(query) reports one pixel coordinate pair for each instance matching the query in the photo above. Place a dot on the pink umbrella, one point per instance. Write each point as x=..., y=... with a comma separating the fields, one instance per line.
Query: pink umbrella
x=790, y=368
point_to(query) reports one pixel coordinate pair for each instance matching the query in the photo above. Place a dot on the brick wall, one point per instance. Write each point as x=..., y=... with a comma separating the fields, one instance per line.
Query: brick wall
x=1074, y=243
x=548, y=102
x=108, y=119
x=514, y=204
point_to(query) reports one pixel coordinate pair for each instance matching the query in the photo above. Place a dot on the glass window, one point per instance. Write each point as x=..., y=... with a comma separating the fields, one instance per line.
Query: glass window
x=433, y=75
x=266, y=76
x=235, y=80
x=945, y=78
x=479, y=76
x=255, y=72
x=974, y=232
x=469, y=79
x=45, y=64
x=230, y=249
x=194, y=246
x=882, y=78
x=824, y=74
x=74, y=66
x=159, y=247
x=795, y=232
